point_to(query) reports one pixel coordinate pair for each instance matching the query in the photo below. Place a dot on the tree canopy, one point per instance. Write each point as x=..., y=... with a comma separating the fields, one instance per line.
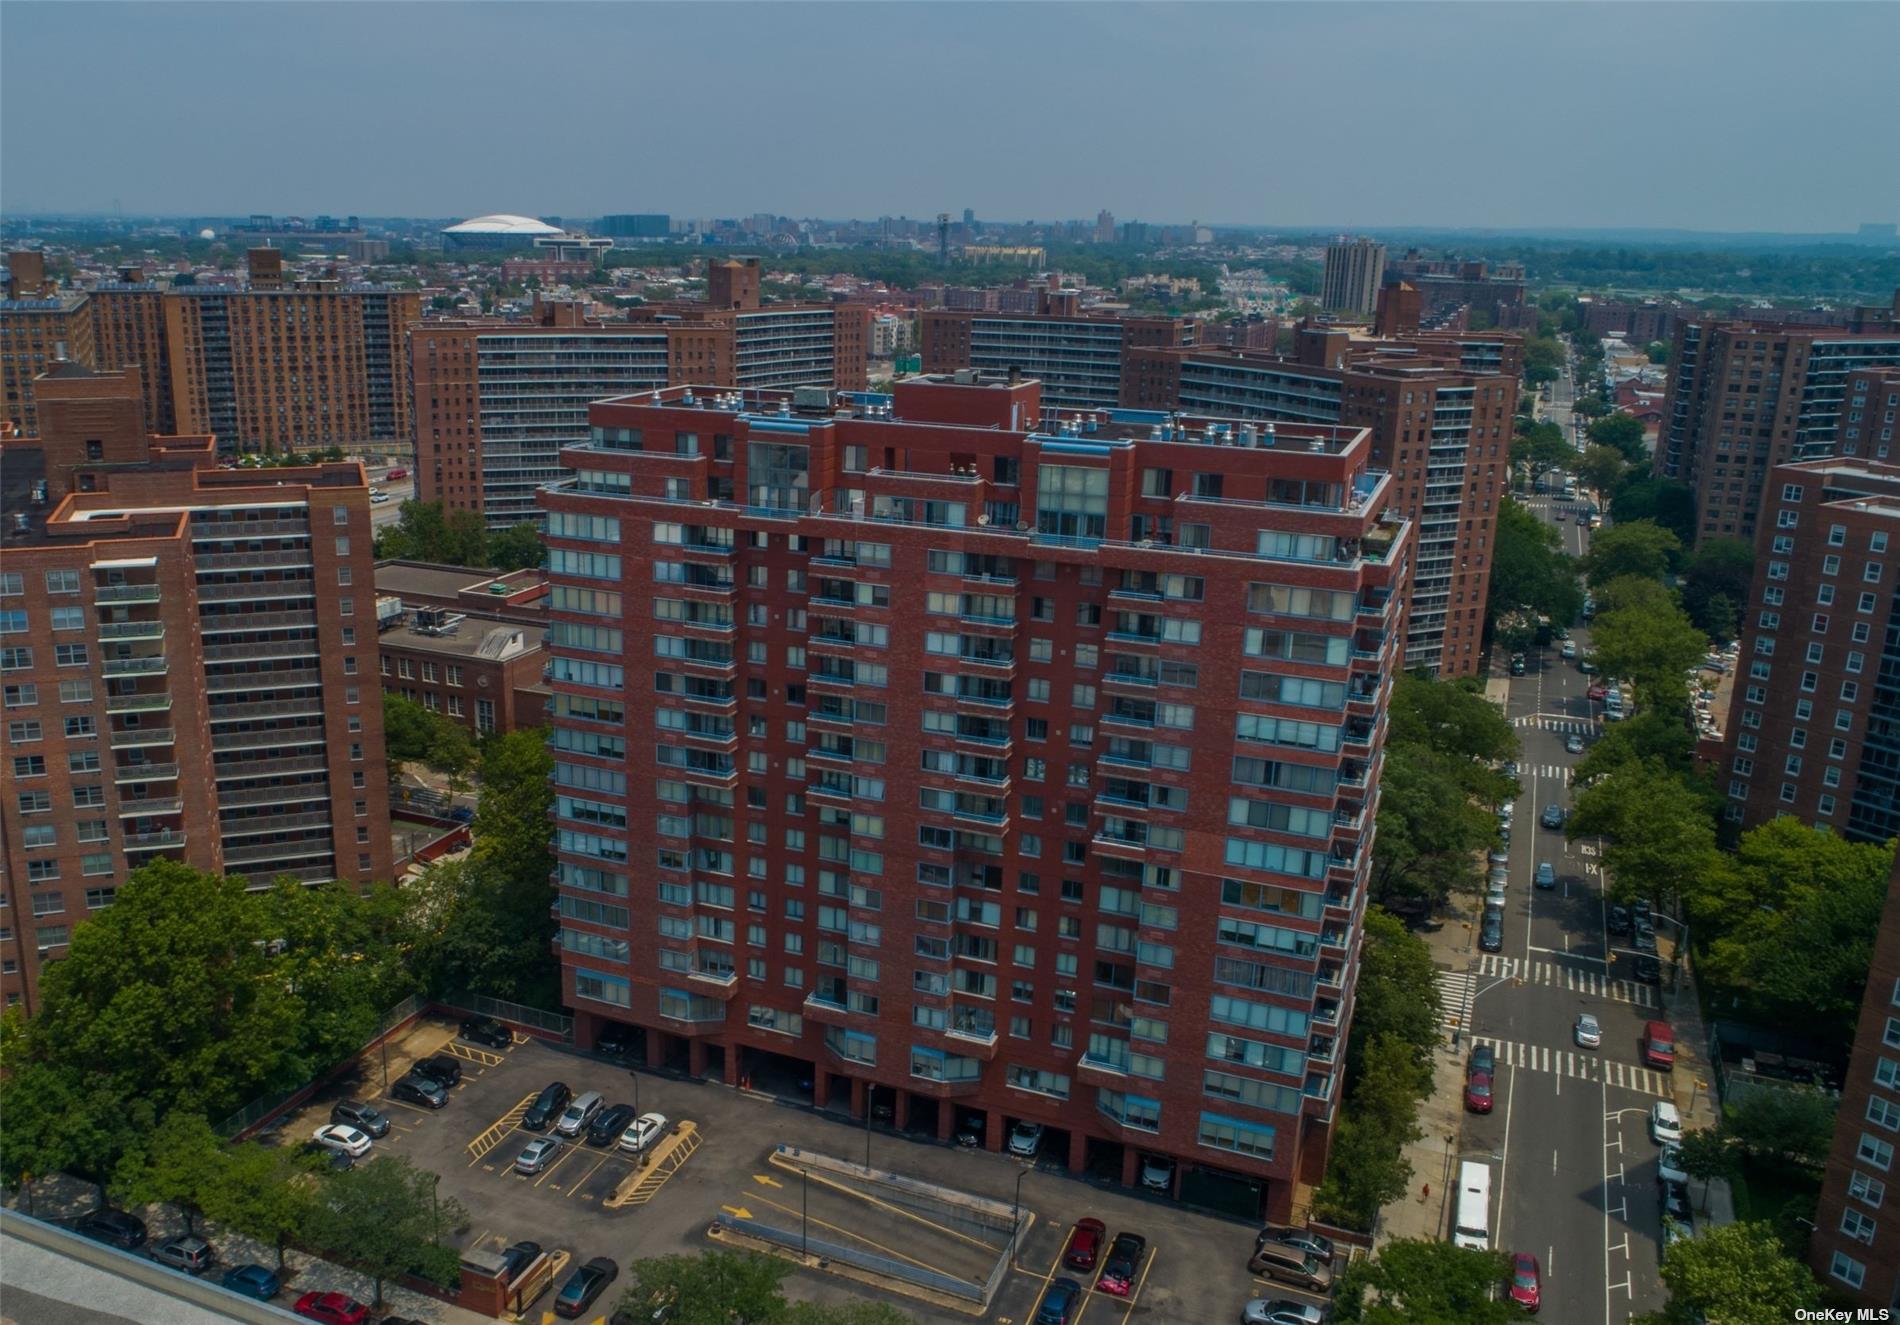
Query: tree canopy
x=1659, y=835
x=426, y=531
x=1623, y=433
x=1738, y=1274
x=732, y=1288
x=1529, y=572
x=1419, y=1281
x=1397, y=994
x=1602, y=469
x=1715, y=584
x=1643, y=636
x=1663, y=501
x=1641, y=548
x=386, y=1218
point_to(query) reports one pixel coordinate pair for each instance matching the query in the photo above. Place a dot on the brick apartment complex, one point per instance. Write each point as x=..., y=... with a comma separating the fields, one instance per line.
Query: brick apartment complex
x=928, y=677
x=1809, y=731
x=1872, y=405
x=1639, y=324
x=1855, y=1248
x=516, y=595
x=279, y=364
x=1746, y=396
x=186, y=669
x=495, y=402
x=482, y=672
x=1076, y=356
x=1447, y=285
x=1439, y=409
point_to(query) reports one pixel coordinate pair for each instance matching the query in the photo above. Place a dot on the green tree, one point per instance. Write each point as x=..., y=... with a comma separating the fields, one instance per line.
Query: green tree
x=1529, y=572
x=518, y=547
x=1653, y=735
x=1659, y=833
x=423, y=531
x=385, y=1218
x=1792, y=1125
x=732, y=1288
x=1542, y=446
x=1652, y=644
x=178, y=1163
x=1663, y=501
x=1367, y=1168
x=1738, y=1274
x=1716, y=577
x=1789, y=924
x=1602, y=469
x=1640, y=548
x=1706, y=1154
x=1422, y=1281
x=408, y=728
x=265, y=1191
x=1398, y=992
x=337, y=948
x=1623, y=433
x=1658, y=351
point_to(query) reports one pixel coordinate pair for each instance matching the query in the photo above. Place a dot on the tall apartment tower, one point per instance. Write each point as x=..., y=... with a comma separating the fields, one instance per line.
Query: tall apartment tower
x=925, y=680
x=1439, y=407
x=1809, y=730
x=1745, y=396
x=1855, y=1247
x=39, y=326
x=1355, y=268
x=496, y=402
x=1076, y=356
x=128, y=320
x=184, y=670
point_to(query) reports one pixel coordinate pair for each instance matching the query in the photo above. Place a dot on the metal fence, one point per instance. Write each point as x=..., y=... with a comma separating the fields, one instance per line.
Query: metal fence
x=870, y=1262
x=265, y=1106
x=557, y=1024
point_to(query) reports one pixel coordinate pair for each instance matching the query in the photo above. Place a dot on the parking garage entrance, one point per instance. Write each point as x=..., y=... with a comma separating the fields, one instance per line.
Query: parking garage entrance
x=770, y=1073
x=1224, y=1192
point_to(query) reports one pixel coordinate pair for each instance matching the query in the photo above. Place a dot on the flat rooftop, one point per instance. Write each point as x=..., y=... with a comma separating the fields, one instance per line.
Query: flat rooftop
x=464, y=636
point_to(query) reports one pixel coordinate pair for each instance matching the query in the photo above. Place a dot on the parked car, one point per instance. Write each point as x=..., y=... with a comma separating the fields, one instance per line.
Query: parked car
x=1313, y=1244
x=1597, y=690
x=354, y=1113
x=1478, y=1092
x=547, y=1106
x=1645, y=938
x=423, y=1090
x=608, y=1124
x=377, y=497
x=395, y=474
x=1674, y=1199
x=1491, y=930
x=1123, y=1263
x=1619, y=920
x=1546, y=875
x=580, y=1111
x=253, y=1280
x=1586, y=1032
x=337, y=1161
x=1059, y=1302
x=1648, y=971
x=444, y=1068
x=1665, y=1124
x=1483, y=1058
x=643, y=1132
x=616, y=1041
x=1281, y=1311
x=1497, y=856
x=487, y=1031
x=332, y=1309
x=1573, y=744
x=1517, y=664
x=191, y=1254
x=1157, y=1174
x=1553, y=816
x=584, y=1285
x=116, y=1227
x=518, y=1258
x=1586, y=665
x=1025, y=1139
x=1569, y=649
x=1085, y=1244
x=1527, y=1281
x=1669, y=1166
x=337, y=1136
x=538, y=1155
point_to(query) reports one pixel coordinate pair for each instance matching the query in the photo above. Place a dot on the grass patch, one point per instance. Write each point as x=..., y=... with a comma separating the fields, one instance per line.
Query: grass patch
x=1765, y=1189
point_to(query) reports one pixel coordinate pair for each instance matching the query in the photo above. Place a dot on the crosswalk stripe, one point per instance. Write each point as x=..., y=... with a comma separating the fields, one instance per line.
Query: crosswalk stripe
x=1577, y=1066
x=1576, y=980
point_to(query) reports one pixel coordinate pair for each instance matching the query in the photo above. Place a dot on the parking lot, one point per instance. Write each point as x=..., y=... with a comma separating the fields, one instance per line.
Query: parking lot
x=1194, y=1267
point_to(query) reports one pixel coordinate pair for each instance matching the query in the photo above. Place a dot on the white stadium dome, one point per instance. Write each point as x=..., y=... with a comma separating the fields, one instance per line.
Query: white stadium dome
x=525, y=227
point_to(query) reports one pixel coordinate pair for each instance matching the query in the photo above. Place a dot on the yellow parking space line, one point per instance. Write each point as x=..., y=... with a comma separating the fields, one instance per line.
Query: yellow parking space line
x=1141, y=1282
x=479, y=1057
x=1048, y=1276
x=574, y=1186
x=849, y=1233
x=868, y=1199
x=495, y=1132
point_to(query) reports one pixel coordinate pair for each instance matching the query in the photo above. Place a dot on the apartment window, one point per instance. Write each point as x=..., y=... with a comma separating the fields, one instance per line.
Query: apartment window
x=69, y=618
x=1874, y=1152
x=1868, y=1190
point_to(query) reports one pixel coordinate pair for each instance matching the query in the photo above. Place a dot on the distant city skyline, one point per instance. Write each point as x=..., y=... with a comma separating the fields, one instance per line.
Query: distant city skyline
x=1306, y=117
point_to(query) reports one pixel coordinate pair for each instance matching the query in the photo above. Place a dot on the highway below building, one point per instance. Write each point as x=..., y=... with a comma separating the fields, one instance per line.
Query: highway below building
x=1573, y=1169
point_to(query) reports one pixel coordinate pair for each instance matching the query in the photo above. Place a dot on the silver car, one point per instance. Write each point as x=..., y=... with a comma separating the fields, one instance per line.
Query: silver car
x=1588, y=1034
x=537, y=1155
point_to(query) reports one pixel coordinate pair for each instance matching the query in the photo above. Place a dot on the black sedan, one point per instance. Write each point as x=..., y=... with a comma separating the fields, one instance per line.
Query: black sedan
x=116, y=1227
x=1122, y=1264
x=487, y=1031
x=445, y=1068
x=1619, y=921
x=584, y=1285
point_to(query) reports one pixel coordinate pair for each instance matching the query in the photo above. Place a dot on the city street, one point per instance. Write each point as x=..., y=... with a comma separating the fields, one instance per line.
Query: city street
x=1573, y=1168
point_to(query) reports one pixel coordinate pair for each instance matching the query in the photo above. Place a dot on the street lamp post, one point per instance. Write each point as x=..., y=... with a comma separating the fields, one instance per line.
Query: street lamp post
x=804, y=1207
x=1016, y=1218
x=870, y=1099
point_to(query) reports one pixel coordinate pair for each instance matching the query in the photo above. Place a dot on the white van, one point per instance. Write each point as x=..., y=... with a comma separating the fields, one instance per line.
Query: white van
x=1472, y=1226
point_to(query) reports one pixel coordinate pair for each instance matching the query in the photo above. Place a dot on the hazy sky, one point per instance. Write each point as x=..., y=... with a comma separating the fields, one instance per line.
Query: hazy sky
x=1711, y=116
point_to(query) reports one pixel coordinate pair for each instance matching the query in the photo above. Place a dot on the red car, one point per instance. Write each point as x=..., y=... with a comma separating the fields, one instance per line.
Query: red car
x=1478, y=1092
x=1085, y=1244
x=1124, y=1259
x=1599, y=692
x=332, y=1309
x=395, y=474
x=1526, y=1281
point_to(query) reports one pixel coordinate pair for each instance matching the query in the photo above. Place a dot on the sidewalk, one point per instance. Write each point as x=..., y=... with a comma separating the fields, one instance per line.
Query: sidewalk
x=1694, y=1077
x=1422, y=1210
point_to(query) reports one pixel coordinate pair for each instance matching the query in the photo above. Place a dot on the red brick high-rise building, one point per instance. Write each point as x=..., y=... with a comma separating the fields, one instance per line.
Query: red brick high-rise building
x=1439, y=407
x=1856, y=1244
x=1077, y=356
x=896, y=751
x=188, y=661
x=1745, y=396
